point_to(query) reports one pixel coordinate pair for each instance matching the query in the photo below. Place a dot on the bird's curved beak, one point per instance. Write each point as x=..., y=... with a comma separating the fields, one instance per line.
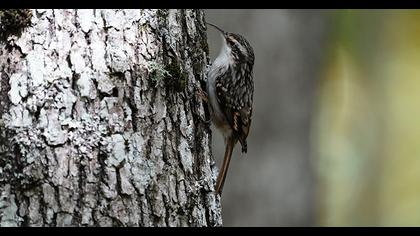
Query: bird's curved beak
x=216, y=27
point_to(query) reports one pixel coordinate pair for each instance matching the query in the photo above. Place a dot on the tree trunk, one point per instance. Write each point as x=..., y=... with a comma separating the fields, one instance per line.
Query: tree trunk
x=101, y=123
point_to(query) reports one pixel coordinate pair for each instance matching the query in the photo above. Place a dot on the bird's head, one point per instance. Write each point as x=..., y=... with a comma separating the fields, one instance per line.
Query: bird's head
x=237, y=45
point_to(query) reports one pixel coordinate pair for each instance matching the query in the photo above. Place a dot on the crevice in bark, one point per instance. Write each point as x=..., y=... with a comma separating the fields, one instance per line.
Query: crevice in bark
x=118, y=175
x=177, y=142
x=81, y=192
x=43, y=208
x=74, y=79
x=37, y=113
x=187, y=37
x=154, y=218
x=5, y=86
x=168, y=208
x=54, y=220
x=114, y=92
x=25, y=222
x=102, y=156
x=203, y=192
x=18, y=158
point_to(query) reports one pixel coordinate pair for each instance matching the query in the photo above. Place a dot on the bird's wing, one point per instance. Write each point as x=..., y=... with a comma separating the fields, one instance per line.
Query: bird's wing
x=235, y=93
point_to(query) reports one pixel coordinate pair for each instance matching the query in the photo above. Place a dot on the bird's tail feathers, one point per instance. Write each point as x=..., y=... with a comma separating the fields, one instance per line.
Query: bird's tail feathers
x=225, y=165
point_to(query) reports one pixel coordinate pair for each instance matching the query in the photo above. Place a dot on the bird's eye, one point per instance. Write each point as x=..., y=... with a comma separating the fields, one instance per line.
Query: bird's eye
x=231, y=43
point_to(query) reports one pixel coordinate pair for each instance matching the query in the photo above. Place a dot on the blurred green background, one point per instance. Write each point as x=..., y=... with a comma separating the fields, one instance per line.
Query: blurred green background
x=366, y=133
x=336, y=134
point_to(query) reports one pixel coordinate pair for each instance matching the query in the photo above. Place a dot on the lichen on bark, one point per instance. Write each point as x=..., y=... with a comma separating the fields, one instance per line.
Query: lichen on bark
x=13, y=21
x=86, y=140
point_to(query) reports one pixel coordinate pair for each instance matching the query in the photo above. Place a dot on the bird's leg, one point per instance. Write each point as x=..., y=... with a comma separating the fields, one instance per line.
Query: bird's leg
x=201, y=94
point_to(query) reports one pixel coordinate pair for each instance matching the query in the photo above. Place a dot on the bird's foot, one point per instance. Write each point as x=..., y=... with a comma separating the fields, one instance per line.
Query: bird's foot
x=201, y=94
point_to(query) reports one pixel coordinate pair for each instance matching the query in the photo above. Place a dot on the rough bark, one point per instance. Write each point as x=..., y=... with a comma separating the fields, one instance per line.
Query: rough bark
x=101, y=124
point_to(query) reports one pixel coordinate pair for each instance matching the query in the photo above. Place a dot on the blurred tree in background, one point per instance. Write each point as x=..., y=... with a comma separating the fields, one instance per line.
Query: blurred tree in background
x=366, y=133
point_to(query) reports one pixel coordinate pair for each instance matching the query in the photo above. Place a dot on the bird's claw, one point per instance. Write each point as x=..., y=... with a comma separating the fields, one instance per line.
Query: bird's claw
x=203, y=95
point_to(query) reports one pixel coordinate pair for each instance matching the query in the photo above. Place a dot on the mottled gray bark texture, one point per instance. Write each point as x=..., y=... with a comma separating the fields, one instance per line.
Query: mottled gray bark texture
x=101, y=123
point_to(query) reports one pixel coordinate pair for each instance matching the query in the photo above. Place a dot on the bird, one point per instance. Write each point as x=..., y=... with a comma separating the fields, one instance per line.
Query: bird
x=230, y=89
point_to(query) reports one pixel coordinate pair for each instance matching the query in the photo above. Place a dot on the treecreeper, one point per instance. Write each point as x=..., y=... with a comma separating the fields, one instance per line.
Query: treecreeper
x=230, y=89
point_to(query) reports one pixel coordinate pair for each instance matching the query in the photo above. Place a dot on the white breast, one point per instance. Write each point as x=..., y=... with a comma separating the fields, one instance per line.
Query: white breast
x=221, y=63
